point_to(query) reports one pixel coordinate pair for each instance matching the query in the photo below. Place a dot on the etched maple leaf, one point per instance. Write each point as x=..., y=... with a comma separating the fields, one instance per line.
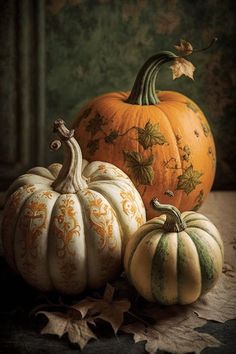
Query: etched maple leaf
x=93, y=146
x=140, y=167
x=184, y=47
x=150, y=135
x=189, y=180
x=181, y=67
x=94, y=125
x=107, y=309
x=77, y=329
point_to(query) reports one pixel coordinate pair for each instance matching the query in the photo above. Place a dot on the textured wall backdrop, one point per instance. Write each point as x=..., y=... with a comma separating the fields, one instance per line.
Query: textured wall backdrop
x=97, y=46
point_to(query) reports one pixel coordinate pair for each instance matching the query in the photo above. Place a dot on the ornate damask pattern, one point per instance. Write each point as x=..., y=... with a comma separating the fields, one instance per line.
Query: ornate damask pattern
x=101, y=219
x=33, y=221
x=129, y=208
x=66, y=226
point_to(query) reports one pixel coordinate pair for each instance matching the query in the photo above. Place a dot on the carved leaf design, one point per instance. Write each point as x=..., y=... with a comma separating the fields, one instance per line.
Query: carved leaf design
x=189, y=180
x=111, y=137
x=150, y=135
x=187, y=152
x=94, y=125
x=92, y=146
x=140, y=167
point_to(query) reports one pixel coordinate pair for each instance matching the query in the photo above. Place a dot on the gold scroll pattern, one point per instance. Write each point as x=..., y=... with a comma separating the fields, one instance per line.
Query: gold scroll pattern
x=102, y=218
x=113, y=171
x=130, y=208
x=32, y=222
x=66, y=226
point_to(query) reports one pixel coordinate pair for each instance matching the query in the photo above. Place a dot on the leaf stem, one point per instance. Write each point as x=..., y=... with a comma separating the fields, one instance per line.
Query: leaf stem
x=214, y=40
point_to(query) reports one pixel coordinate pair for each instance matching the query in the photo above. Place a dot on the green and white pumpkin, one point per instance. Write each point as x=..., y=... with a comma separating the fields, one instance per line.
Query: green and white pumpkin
x=65, y=227
x=174, y=258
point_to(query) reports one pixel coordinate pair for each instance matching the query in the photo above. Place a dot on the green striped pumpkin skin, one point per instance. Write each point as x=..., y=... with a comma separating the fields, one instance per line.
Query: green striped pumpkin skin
x=175, y=267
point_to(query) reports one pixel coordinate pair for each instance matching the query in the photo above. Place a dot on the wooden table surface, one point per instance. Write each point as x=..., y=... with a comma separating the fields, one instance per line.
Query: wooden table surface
x=19, y=334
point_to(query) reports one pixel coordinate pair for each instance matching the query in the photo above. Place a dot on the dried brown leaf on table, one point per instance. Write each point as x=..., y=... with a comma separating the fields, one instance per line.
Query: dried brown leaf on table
x=220, y=303
x=76, y=328
x=185, y=48
x=175, y=335
x=107, y=309
x=181, y=67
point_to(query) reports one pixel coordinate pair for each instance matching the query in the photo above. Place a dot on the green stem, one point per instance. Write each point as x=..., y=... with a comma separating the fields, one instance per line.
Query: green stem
x=144, y=89
x=174, y=221
x=70, y=179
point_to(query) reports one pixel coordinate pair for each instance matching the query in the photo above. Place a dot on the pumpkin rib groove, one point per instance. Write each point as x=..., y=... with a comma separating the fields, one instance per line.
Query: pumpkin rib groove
x=135, y=246
x=157, y=272
x=84, y=218
x=48, y=241
x=210, y=234
x=206, y=262
x=187, y=214
x=175, y=140
x=116, y=210
x=38, y=172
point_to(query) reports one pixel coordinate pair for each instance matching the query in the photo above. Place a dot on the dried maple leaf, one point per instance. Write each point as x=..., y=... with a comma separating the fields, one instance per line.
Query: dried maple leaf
x=175, y=335
x=181, y=67
x=107, y=309
x=184, y=47
x=219, y=304
x=76, y=328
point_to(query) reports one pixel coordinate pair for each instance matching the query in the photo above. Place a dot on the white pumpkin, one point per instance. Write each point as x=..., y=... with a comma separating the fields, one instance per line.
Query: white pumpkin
x=65, y=227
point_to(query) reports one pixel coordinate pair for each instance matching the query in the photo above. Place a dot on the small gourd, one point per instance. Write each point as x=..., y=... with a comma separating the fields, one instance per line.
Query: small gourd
x=65, y=227
x=174, y=258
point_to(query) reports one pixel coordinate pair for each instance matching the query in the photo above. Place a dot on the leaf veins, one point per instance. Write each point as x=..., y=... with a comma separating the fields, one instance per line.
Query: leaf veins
x=150, y=135
x=189, y=180
x=140, y=167
x=181, y=67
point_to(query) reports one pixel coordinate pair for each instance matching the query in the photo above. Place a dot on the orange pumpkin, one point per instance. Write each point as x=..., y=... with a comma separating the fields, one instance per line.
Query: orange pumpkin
x=161, y=139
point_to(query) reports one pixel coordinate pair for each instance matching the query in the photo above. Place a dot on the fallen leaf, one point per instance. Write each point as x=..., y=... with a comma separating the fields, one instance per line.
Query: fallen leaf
x=76, y=328
x=220, y=303
x=181, y=67
x=107, y=309
x=176, y=335
x=184, y=47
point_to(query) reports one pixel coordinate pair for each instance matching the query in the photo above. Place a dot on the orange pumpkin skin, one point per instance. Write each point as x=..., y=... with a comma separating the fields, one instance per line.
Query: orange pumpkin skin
x=164, y=147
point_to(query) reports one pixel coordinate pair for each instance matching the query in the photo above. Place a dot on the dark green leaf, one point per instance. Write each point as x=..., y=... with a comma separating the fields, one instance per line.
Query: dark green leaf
x=150, y=135
x=140, y=167
x=206, y=129
x=95, y=124
x=189, y=180
x=111, y=137
x=92, y=146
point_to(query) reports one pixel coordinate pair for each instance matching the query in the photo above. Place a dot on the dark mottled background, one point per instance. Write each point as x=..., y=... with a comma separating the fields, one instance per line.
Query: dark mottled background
x=91, y=47
x=98, y=46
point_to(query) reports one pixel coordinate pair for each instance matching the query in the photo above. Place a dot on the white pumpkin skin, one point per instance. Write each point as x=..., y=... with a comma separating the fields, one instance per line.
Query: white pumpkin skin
x=174, y=261
x=64, y=231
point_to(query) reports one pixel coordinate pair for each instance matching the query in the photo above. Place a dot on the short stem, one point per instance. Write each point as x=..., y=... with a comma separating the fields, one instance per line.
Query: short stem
x=144, y=89
x=174, y=221
x=70, y=179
